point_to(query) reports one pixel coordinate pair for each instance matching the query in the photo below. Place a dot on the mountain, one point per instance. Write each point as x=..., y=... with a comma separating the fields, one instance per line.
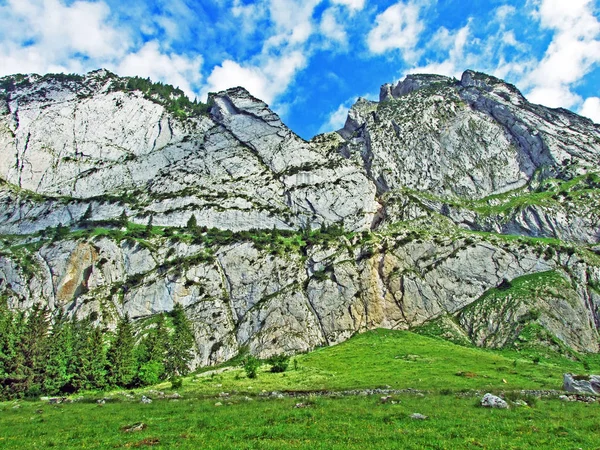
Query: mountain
x=452, y=206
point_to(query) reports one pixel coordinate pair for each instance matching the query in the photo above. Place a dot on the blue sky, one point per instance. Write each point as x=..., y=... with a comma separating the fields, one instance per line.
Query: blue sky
x=310, y=60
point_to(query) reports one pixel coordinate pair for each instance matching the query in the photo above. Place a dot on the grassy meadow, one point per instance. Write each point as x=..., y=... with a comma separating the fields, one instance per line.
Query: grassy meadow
x=225, y=409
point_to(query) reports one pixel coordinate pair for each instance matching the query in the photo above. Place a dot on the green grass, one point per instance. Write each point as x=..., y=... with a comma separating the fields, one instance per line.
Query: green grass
x=356, y=422
x=401, y=360
x=448, y=375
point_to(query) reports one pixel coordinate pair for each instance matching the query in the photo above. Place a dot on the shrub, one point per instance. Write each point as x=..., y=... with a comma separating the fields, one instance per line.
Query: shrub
x=176, y=382
x=150, y=373
x=251, y=365
x=279, y=363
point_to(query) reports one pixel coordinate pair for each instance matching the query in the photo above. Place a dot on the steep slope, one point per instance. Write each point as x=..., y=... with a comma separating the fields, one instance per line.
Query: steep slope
x=120, y=196
x=90, y=141
x=468, y=148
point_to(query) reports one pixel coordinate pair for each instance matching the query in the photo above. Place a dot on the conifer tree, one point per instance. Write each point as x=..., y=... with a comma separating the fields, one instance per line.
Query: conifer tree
x=192, y=223
x=8, y=338
x=181, y=344
x=33, y=346
x=120, y=355
x=152, y=353
x=60, y=357
x=88, y=214
x=90, y=357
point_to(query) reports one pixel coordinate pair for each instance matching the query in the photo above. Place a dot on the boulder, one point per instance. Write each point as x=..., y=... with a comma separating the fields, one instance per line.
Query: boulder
x=492, y=401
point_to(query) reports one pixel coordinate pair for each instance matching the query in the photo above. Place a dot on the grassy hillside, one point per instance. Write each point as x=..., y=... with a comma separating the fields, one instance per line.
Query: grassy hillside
x=227, y=410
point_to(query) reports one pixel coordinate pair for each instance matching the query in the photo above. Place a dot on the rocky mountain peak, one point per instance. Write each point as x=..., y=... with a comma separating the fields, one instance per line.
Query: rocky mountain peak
x=410, y=84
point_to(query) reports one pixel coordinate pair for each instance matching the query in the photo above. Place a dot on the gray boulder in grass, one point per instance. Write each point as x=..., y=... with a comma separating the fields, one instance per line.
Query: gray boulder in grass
x=581, y=384
x=492, y=401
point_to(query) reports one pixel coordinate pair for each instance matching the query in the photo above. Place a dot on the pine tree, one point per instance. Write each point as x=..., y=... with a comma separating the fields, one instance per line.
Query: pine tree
x=90, y=368
x=148, y=229
x=120, y=355
x=180, y=350
x=153, y=352
x=8, y=338
x=98, y=362
x=123, y=219
x=59, y=367
x=192, y=223
x=33, y=345
x=88, y=214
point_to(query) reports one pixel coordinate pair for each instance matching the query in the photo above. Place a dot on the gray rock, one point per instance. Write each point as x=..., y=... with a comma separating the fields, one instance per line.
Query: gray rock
x=146, y=400
x=425, y=155
x=418, y=416
x=581, y=384
x=492, y=401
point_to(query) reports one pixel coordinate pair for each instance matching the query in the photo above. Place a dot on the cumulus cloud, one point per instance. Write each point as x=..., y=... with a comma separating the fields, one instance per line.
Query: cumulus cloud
x=397, y=28
x=293, y=21
x=46, y=35
x=265, y=81
x=331, y=28
x=572, y=53
x=456, y=60
x=175, y=69
x=591, y=109
x=284, y=52
x=337, y=118
x=50, y=36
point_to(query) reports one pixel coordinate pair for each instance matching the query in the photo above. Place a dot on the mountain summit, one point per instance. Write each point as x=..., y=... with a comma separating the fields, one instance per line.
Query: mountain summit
x=452, y=203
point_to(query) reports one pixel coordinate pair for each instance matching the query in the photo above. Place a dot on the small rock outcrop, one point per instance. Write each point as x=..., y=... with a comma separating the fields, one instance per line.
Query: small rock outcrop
x=581, y=384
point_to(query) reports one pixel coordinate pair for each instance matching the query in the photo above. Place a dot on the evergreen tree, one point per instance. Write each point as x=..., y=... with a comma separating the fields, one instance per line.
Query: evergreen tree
x=153, y=352
x=192, y=223
x=33, y=346
x=90, y=357
x=120, y=355
x=123, y=219
x=8, y=356
x=59, y=367
x=88, y=214
x=148, y=229
x=97, y=361
x=181, y=344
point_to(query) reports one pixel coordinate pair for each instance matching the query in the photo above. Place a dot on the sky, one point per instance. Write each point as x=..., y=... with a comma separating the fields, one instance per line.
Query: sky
x=310, y=60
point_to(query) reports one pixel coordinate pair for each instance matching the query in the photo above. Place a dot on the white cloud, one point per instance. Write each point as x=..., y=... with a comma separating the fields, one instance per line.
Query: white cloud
x=454, y=43
x=174, y=69
x=398, y=27
x=39, y=35
x=293, y=21
x=49, y=36
x=353, y=5
x=250, y=14
x=591, y=109
x=572, y=53
x=503, y=12
x=336, y=119
x=284, y=52
x=265, y=81
x=331, y=28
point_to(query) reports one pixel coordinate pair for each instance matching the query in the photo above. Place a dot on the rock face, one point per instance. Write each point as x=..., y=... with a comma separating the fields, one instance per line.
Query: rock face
x=581, y=385
x=425, y=210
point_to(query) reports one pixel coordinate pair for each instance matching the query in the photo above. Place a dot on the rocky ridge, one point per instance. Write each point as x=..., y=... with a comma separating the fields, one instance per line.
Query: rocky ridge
x=453, y=206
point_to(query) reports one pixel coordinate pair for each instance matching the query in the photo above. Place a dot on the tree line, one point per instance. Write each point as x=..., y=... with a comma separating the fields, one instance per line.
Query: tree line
x=46, y=353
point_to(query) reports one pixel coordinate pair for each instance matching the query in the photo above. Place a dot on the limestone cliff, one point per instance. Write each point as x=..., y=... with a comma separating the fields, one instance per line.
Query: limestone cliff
x=423, y=207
